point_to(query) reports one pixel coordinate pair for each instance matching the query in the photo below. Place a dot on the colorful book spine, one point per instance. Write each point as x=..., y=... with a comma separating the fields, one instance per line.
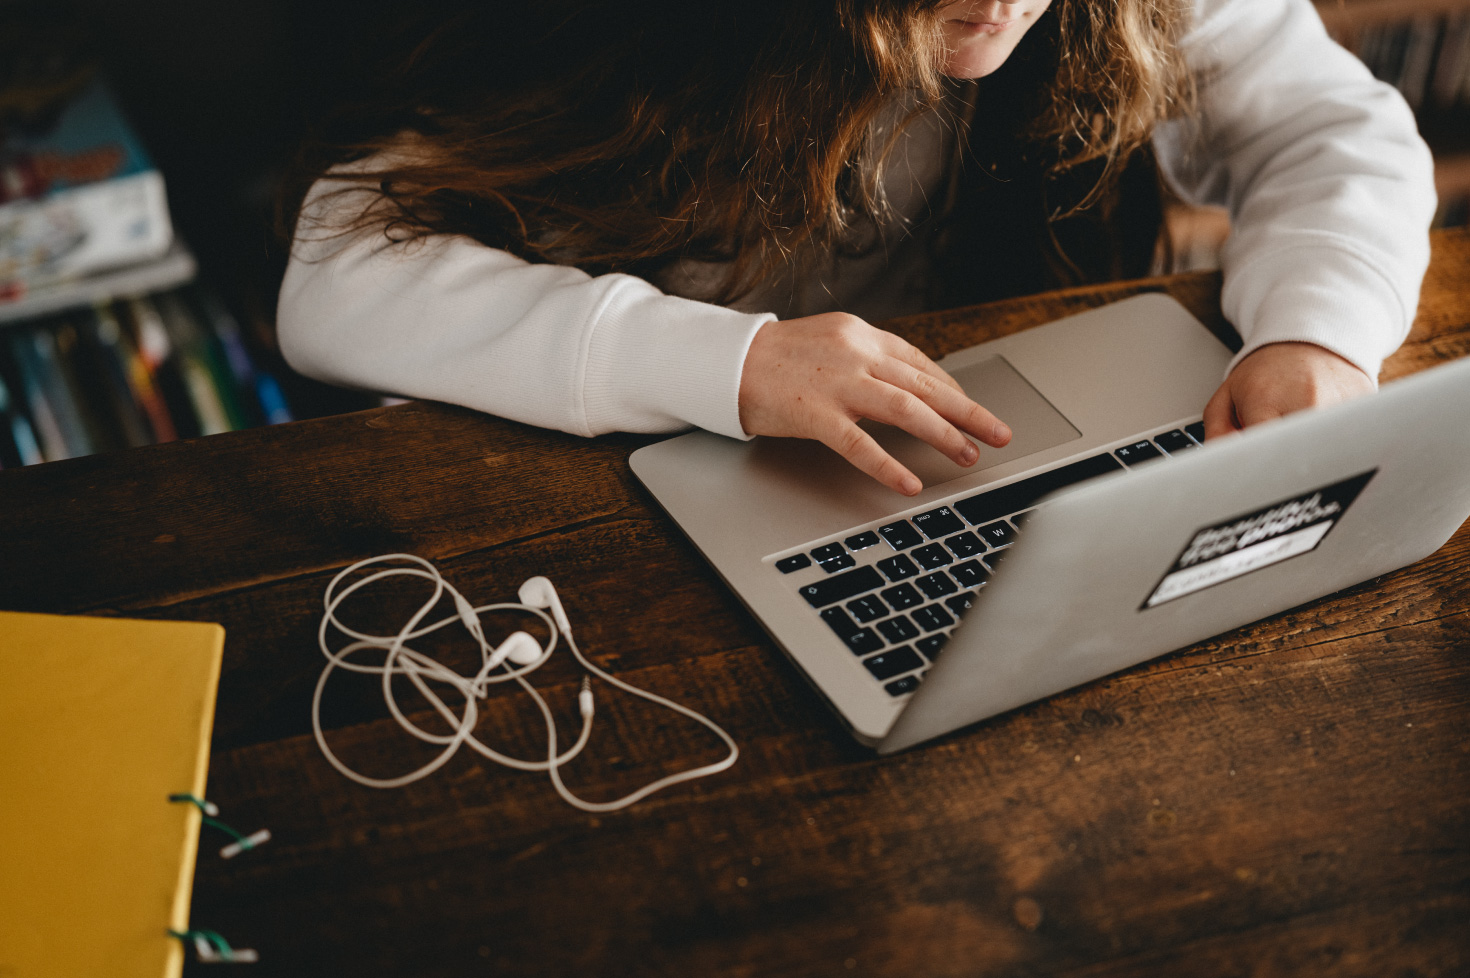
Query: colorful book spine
x=41, y=358
x=151, y=338
x=18, y=444
x=85, y=391
x=258, y=393
x=32, y=391
x=18, y=439
x=126, y=374
x=191, y=360
x=102, y=350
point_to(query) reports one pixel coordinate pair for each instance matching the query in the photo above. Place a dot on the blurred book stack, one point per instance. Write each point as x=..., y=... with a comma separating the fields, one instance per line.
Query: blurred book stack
x=105, y=342
x=126, y=373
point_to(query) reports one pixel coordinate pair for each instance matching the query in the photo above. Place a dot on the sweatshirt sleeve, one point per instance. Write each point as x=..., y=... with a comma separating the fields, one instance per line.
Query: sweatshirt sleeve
x=1329, y=187
x=449, y=319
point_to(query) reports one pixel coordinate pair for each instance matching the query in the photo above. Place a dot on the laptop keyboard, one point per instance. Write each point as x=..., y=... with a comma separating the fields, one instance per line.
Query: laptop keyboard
x=893, y=593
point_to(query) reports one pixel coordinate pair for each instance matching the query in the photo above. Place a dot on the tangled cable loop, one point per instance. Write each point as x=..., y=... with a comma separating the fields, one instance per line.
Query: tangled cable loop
x=508, y=662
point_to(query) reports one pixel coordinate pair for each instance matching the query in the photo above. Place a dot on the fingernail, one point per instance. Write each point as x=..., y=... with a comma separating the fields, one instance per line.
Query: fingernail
x=1002, y=431
x=970, y=453
x=910, y=486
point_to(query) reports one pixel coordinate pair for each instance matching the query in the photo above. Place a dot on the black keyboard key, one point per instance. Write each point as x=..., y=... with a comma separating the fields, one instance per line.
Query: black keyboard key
x=830, y=552
x=971, y=573
x=840, y=587
x=840, y=562
x=795, y=563
x=862, y=541
x=898, y=568
x=867, y=608
x=860, y=640
x=959, y=604
x=1001, y=502
x=1196, y=431
x=938, y=523
x=904, y=686
x=931, y=644
x=1138, y=452
x=901, y=535
x=997, y=534
x=932, y=618
x=1174, y=442
x=897, y=629
x=893, y=662
x=932, y=556
x=902, y=597
x=841, y=623
x=965, y=544
x=937, y=585
x=996, y=556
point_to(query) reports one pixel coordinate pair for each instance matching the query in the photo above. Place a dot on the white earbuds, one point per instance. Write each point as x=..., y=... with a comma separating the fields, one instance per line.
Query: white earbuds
x=518, y=655
x=520, y=648
x=538, y=592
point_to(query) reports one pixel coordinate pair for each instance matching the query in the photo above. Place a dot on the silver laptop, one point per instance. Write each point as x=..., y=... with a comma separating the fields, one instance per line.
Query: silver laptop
x=1123, y=536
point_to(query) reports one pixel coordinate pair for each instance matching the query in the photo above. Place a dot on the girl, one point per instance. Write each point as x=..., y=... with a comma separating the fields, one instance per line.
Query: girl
x=642, y=216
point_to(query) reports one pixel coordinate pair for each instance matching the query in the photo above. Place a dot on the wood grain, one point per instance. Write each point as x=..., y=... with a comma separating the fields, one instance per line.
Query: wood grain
x=1285, y=799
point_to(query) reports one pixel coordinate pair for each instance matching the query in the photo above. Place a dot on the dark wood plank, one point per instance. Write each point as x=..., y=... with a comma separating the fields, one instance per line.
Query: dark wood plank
x=229, y=512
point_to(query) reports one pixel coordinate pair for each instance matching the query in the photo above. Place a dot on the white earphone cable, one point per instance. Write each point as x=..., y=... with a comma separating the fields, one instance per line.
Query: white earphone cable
x=421, y=669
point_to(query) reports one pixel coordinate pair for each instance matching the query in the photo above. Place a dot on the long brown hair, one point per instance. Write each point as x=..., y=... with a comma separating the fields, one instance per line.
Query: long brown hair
x=623, y=136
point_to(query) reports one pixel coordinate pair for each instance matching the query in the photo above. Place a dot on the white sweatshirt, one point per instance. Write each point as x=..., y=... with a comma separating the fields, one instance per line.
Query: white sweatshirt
x=1329, y=187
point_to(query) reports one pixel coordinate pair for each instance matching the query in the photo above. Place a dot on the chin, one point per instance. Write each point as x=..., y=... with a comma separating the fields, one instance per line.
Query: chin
x=976, y=64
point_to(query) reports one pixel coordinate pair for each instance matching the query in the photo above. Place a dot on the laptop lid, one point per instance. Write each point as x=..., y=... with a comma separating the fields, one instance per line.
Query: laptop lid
x=1141, y=563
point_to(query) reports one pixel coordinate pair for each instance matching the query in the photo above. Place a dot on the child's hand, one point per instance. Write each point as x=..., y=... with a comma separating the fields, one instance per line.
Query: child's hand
x=1279, y=379
x=815, y=377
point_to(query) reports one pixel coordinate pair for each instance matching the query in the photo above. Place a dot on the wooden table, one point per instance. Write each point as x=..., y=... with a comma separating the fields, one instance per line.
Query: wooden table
x=1286, y=799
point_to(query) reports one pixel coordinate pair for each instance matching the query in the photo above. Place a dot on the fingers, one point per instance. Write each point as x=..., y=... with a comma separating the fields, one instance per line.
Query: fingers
x=907, y=410
x=905, y=351
x=859, y=448
x=911, y=392
x=818, y=377
x=1220, y=419
x=944, y=395
x=1281, y=378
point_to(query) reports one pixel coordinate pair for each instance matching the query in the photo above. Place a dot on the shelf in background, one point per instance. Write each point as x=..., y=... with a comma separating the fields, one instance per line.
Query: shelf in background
x=1342, y=16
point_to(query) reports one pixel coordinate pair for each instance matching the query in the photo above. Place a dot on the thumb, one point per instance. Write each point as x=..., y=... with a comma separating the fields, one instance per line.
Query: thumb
x=1220, y=416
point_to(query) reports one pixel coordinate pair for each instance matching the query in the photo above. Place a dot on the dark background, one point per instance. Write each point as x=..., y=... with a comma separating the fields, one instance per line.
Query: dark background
x=221, y=95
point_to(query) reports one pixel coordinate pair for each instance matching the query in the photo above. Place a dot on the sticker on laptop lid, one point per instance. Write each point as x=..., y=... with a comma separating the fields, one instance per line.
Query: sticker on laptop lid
x=1286, y=529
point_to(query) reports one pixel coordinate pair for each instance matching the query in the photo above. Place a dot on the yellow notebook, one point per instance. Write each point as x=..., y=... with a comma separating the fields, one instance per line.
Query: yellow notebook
x=101, y=719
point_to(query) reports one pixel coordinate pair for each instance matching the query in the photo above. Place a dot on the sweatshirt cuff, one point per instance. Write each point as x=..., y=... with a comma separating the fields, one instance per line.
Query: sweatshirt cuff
x=1323, y=295
x=665, y=359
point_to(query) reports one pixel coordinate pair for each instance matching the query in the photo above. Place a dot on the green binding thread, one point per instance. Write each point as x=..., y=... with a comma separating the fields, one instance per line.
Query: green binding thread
x=204, y=808
x=220, y=945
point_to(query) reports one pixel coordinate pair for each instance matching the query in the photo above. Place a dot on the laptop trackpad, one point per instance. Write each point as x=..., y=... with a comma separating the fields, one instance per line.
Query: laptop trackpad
x=996, y=385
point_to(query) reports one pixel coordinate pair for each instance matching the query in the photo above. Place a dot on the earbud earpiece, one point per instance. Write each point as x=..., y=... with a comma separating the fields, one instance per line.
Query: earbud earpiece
x=538, y=592
x=520, y=648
